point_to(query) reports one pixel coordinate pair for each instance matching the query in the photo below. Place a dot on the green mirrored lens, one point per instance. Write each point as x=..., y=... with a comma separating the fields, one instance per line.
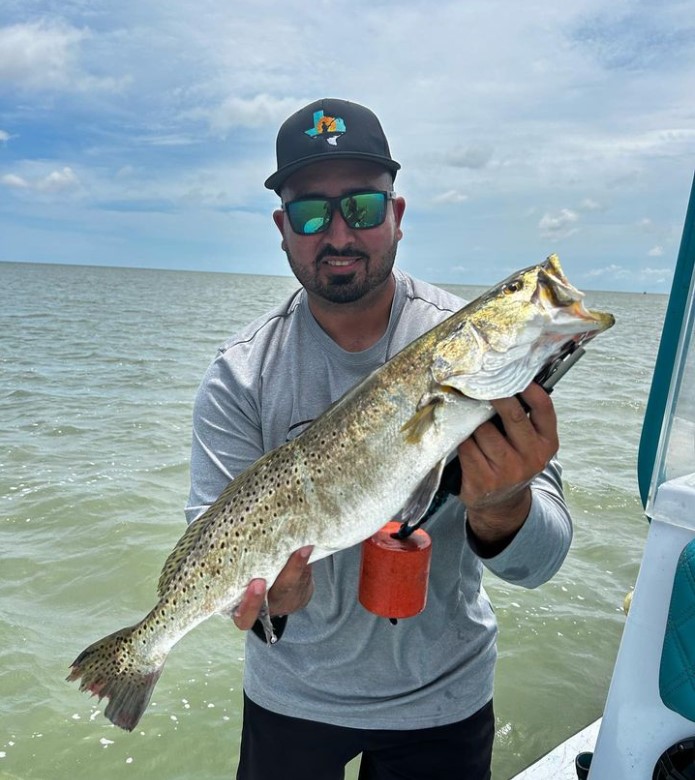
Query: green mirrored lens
x=359, y=209
x=364, y=210
x=309, y=216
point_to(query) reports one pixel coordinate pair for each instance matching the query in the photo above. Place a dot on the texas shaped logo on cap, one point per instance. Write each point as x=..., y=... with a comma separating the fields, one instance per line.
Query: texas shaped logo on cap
x=329, y=128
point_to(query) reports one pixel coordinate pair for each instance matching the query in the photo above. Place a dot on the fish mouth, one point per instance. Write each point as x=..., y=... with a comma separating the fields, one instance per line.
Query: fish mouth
x=603, y=319
x=565, y=303
x=575, y=323
x=598, y=320
x=569, y=313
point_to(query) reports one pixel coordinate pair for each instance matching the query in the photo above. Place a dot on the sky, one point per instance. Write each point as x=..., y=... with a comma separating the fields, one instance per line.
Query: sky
x=140, y=133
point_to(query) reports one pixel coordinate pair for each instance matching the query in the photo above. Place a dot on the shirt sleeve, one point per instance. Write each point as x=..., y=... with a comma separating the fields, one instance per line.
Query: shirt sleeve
x=541, y=545
x=226, y=433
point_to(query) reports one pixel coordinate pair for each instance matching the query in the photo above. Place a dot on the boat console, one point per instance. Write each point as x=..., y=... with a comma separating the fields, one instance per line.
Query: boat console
x=648, y=726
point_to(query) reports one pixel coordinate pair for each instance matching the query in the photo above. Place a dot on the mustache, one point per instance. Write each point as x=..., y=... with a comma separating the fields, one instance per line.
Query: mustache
x=330, y=251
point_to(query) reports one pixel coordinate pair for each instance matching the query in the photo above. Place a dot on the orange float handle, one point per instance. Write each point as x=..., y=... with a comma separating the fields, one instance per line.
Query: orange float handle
x=394, y=572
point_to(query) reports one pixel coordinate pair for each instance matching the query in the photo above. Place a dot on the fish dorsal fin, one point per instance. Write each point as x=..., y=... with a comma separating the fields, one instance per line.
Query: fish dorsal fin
x=198, y=528
x=190, y=538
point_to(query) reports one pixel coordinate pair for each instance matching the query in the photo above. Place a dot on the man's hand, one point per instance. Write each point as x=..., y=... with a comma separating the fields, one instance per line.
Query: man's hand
x=291, y=591
x=497, y=469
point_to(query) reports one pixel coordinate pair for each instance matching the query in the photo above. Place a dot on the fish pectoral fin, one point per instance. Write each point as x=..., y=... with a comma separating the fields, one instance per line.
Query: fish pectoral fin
x=263, y=616
x=266, y=622
x=422, y=496
x=418, y=425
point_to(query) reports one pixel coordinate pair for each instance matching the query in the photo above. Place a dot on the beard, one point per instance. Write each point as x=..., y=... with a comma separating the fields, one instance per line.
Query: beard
x=344, y=287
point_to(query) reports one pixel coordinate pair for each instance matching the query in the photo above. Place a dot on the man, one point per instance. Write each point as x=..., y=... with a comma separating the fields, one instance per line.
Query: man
x=415, y=699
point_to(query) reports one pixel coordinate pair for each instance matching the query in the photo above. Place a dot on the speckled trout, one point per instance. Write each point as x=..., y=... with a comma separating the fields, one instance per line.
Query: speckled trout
x=377, y=454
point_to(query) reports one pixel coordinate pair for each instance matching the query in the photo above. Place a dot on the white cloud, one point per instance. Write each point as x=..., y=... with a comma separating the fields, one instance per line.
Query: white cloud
x=125, y=172
x=613, y=271
x=656, y=251
x=451, y=196
x=4, y=137
x=637, y=278
x=651, y=276
x=667, y=142
x=553, y=118
x=560, y=225
x=37, y=55
x=473, y=157
x=15, y=182
x=53, y=182
x=58, y=181
x=258, y=111
x=45, y=55
x=166, y=139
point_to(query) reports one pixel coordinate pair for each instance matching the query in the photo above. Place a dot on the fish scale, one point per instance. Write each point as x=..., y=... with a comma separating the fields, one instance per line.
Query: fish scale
x=375, y=454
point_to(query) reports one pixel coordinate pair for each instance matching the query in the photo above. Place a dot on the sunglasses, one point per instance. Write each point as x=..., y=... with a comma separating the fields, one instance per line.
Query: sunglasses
x=361, y=210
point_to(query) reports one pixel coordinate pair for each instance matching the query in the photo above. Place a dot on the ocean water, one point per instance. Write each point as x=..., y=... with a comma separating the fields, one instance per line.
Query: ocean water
x=98, y=369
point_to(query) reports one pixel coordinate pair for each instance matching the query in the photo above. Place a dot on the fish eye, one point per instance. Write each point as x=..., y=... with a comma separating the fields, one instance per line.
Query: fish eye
x=513, y=287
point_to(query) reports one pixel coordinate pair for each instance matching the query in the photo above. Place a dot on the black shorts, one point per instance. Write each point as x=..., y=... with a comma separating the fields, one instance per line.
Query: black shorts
x=278, y=747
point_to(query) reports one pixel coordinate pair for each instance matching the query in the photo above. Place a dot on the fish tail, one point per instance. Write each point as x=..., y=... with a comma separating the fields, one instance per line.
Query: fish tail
x=118, y=667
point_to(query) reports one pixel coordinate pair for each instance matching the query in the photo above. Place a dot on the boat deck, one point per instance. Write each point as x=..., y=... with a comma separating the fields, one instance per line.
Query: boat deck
x=559, y=763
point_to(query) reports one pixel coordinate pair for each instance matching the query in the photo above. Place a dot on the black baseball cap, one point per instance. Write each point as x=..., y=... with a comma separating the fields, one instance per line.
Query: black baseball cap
x=329, y=129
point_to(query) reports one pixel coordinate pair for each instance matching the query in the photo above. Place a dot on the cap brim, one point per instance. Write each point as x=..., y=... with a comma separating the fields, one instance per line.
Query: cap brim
x=280, y=176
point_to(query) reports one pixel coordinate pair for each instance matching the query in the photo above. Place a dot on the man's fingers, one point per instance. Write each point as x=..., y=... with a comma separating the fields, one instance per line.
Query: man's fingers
x=542, y=411
x=246, y=613
x=533, y=416
x=295, y=569
x=292, y=588
x=299, y=560
x=493, y=462
x=512, y=412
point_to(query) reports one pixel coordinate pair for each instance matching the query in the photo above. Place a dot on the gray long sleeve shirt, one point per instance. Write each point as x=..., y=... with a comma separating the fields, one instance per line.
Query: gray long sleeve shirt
x=336, y=662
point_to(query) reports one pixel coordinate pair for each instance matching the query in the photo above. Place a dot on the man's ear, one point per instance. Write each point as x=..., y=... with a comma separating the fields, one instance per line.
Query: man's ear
x=279, y=220
x=399, y=210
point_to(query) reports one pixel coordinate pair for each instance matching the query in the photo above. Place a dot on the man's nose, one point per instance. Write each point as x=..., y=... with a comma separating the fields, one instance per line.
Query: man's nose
x=339, y=230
